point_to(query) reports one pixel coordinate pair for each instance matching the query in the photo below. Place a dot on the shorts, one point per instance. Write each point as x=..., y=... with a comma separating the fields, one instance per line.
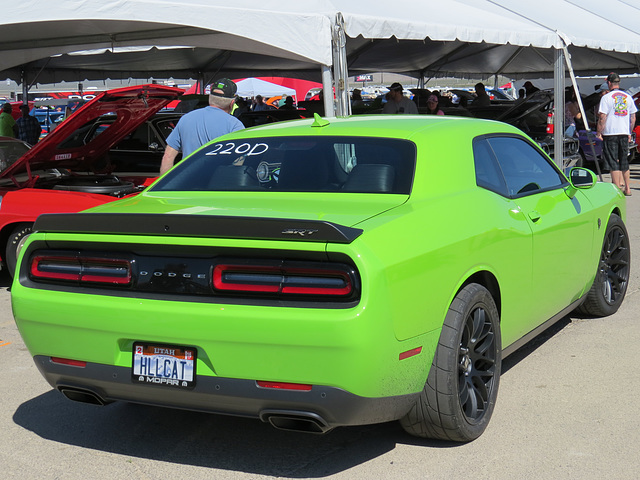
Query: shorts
x=615, y=151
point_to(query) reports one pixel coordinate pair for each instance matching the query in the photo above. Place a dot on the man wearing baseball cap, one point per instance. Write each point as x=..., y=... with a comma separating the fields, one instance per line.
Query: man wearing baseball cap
x=204, y=124
x=397, y=102
x=616, y=120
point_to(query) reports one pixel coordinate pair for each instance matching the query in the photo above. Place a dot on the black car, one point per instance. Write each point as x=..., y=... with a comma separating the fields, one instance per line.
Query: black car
x=140, y=151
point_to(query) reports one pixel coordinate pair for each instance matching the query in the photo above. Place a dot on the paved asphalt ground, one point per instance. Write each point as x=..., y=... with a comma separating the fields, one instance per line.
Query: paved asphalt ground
x=568, y=408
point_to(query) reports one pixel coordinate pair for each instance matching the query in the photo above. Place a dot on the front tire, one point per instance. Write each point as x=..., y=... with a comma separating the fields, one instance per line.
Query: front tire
x=461, y=390
x=11, y=252
x=612, y=278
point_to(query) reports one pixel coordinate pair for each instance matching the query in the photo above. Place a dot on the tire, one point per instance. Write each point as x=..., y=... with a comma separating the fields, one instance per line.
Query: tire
x=458, y=399
x=612, y=278
x=11, y=253
x=102, y=184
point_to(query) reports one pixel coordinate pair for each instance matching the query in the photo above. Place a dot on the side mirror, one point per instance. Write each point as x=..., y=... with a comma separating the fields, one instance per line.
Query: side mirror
x=580, y=178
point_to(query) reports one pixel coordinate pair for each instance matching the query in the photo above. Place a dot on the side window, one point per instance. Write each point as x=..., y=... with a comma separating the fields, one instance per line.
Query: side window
x=525, y=169
x=165, y=127
x=138, y=140
x=488, y=174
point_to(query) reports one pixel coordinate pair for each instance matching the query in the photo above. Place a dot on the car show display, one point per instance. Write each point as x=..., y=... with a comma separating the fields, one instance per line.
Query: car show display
x=106, y=149
x=325, y=272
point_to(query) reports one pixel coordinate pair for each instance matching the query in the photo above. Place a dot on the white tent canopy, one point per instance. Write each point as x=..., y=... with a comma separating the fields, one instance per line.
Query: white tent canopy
x=250, y=87
x=34, y=29
x=515, y=38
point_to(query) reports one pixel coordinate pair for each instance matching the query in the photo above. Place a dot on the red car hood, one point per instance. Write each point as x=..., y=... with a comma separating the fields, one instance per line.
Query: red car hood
x=132, y=105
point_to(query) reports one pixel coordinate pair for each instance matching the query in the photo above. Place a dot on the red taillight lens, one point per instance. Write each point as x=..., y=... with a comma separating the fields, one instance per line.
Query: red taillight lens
x=78, y=268
x=284, y=385
x=282, y=279
x=68, y=361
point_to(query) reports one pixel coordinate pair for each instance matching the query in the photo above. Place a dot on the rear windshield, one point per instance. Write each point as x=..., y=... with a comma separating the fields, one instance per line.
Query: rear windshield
x=298, y=164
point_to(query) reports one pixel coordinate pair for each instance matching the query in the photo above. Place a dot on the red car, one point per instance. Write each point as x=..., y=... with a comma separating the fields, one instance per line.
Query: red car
x=71, y=169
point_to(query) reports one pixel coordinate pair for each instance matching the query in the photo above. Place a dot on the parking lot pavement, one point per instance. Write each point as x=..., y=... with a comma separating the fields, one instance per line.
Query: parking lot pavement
x=567, y=409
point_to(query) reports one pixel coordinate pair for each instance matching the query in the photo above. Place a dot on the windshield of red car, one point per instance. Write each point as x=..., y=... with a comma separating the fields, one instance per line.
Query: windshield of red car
x=299, y=164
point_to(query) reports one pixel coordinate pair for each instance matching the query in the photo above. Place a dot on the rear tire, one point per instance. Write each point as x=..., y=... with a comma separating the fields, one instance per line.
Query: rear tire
x=612, y=278
x=458, y=399
x=11, y=252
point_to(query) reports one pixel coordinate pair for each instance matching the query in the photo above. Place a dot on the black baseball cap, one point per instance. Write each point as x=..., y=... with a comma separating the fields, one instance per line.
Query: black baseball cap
x=613, y=78
x=395, y=86
x=224, y=88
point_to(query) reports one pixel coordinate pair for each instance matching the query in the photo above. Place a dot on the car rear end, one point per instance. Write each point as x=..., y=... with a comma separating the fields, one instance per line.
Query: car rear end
x=272, y=304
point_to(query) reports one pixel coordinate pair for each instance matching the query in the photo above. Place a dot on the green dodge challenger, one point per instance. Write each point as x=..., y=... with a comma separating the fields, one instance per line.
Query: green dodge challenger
x=324, y=272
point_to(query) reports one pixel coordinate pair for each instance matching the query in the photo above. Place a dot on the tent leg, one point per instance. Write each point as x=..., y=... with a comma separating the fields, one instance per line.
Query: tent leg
x=340, y=69
x=25, y=89
x=591, y=139
x=558, y=102
x=327, y=92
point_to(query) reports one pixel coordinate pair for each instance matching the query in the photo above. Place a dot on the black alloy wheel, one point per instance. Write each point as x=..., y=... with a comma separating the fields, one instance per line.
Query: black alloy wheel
x=458, y=399
x=612, y=278
x=476, y=366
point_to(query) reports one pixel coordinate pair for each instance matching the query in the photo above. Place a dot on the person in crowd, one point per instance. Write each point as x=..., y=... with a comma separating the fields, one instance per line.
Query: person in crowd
x=530, y=88
x=29, y=127
x=603, y=89
x=260, y=106
x=241, y=107
x=482, y=98
x=572, y=115
x=8, y=127
x=356, y=100
x=398, y=103
x=616, y=120
x=433, y=107
x=288, y=104
x=204, y=124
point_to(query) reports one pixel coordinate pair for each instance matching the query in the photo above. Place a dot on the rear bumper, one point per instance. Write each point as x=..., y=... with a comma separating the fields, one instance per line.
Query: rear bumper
x=329, y=407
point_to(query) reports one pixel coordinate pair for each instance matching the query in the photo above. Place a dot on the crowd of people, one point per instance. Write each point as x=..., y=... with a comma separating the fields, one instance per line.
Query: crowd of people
x=616, y=116
x=25, y=128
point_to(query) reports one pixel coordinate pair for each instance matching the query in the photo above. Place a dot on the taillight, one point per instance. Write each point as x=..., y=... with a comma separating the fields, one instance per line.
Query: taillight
x=68, y=361
x=550, y=127
x=79, y=268
x=282, y=279
x=284, y=385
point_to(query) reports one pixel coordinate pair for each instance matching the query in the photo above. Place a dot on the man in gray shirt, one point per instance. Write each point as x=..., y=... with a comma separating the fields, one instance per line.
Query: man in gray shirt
x=398, y=103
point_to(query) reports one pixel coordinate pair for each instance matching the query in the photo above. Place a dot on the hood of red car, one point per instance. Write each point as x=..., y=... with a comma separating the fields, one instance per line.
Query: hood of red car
x=67, y=146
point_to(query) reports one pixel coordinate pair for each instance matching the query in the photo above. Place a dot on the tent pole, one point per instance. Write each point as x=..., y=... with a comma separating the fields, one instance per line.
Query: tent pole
x=558, y=102
x=341, y=75
x=25, y=88
x=590, y=136
x=327, y=91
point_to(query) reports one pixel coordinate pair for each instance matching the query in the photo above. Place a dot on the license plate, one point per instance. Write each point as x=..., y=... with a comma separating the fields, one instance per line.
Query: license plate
x=167, y=365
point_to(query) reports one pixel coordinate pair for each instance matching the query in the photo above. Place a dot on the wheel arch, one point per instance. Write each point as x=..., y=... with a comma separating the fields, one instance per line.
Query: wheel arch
x=616, y=211
x=489, y=281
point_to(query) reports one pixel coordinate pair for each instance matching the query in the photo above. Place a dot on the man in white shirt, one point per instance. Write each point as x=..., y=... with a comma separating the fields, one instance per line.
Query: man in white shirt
x=616, y=120
x=397, y=102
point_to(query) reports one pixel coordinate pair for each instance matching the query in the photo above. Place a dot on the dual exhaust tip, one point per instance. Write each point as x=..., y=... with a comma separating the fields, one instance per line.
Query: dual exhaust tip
x=290, y=420
x=83, y=396
x=296, y=421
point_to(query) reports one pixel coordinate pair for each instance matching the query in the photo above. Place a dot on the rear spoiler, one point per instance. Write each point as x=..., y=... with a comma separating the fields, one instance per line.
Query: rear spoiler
x=197, y=226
